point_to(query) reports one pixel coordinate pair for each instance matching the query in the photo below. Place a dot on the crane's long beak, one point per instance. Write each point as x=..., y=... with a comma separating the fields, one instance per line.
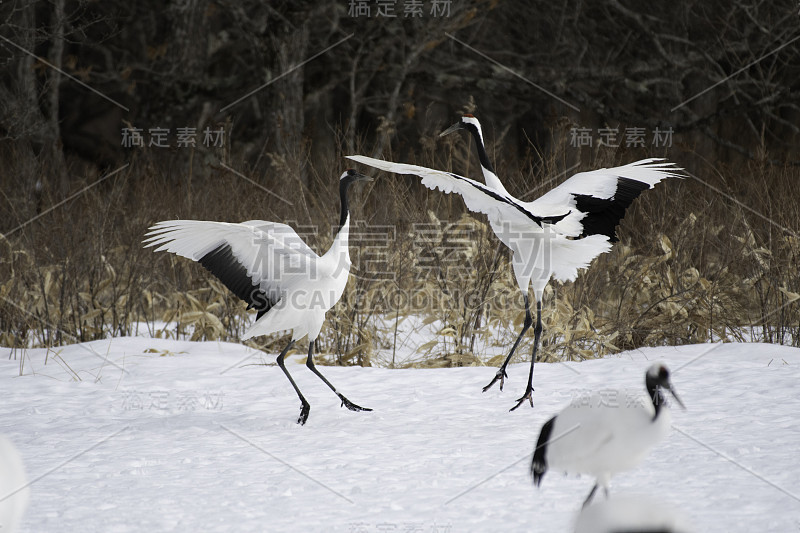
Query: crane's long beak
x=675, y=395
x=455, y=127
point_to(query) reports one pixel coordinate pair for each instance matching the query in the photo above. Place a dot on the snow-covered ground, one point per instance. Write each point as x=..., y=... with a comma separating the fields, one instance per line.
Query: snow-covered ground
x=138, y=434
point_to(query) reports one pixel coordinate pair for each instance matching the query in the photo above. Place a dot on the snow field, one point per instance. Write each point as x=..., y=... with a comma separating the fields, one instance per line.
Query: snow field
x=138, y=434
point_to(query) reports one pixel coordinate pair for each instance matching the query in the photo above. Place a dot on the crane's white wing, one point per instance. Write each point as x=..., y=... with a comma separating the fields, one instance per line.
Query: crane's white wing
x=283, y=233
x=258, y=261
x=598, y=199
x=497, y=205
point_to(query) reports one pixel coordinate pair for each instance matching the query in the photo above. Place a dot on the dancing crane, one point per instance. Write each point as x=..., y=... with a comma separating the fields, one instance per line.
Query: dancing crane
x=553, y=236
x=270, y=267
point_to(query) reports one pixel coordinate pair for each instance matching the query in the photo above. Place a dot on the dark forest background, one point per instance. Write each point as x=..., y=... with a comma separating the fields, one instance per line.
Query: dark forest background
x=395, y=80
x=328, y=80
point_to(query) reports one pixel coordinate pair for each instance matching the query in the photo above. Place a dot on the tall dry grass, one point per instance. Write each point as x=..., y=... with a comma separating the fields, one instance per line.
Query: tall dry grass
x=696, y=262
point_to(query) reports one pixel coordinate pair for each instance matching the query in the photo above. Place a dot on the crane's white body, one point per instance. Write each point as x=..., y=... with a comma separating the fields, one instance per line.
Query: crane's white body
x=606, y=432
x=13, y=487
x=304, y=285
x=537, y=254
x=609, y=432
x=304, y=304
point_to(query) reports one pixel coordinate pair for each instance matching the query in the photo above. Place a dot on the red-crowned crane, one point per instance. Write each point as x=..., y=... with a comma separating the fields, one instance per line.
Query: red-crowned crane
x=608, y=432
x=553, y=236
x=270, y=267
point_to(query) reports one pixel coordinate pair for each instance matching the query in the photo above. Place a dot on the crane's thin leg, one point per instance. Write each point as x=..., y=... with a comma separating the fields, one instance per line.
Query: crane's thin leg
x=345, y=402
x=305, y=407
x=537, y=333
x=501, y=373
x=590, y=496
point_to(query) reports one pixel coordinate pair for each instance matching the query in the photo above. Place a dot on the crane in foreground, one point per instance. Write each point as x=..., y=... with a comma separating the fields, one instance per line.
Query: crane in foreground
x=629, y=514
x=608, y=432
x=553, y=236
x=14, y=487
x=273, y=270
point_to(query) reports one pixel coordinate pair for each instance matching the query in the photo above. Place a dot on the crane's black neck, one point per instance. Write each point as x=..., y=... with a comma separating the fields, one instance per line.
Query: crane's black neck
x=344, y=187
x=654, y=392
x=481, y=149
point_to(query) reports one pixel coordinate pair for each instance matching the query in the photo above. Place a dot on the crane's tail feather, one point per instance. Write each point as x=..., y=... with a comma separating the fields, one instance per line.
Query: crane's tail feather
x=539, y=462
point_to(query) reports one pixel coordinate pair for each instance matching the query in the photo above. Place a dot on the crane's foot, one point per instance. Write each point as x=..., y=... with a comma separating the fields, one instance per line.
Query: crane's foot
x=350, y=405
x=527, y=396
x=305, y=408
x=501, y=375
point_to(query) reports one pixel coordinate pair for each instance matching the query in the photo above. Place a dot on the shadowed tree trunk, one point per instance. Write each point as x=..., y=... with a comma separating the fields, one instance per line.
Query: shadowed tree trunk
x=52, y=133
x=289, y=110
